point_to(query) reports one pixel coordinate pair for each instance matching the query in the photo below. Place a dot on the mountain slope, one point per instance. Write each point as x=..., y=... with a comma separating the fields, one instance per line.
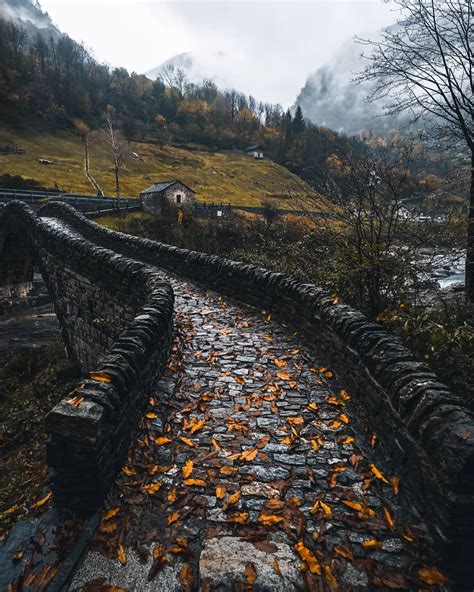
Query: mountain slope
x=30, y=16
x=331, y=98
x=225, y=176
x=197, y=67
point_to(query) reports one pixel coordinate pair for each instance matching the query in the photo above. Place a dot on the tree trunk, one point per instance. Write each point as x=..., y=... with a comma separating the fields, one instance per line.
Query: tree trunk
x=470, y=240
x=117, y=181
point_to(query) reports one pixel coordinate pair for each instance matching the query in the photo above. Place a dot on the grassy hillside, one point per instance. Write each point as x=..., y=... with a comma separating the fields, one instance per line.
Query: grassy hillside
x=227, y=176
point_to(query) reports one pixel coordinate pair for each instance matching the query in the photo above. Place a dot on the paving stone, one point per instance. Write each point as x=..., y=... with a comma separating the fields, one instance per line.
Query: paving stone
x=223, y=561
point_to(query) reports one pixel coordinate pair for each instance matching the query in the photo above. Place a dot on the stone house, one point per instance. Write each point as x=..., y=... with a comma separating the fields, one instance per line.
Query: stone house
x=167, y=193
x=256, y=151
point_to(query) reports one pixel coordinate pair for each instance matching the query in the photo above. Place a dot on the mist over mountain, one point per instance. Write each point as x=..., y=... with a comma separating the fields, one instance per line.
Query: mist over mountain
x=30, y=16
x=197, y=67
x=331, y=98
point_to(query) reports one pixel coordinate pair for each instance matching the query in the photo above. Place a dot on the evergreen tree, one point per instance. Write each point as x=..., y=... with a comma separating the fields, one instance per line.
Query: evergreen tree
x=298, y=124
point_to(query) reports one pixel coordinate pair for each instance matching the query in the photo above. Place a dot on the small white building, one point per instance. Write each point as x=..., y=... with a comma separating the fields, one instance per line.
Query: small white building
x=256, y=151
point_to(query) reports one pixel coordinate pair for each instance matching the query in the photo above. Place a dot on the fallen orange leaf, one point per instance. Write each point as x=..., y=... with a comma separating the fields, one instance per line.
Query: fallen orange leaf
x=42, y=501
x=227, y=470
x=122, y=557
x=162, y=441
x=308, y=556
x=110, y=513
x=220, y=492
x=378, y=473
x=187, y=469
x=269, y=519
x=388, y=518
x=395, y=484
x=249, y=455
x=100, y=377
x=432, y=576
x=195, y=482
x=232, y=500
x=187, y=441
x=276, y=567
x=371, y=544
x=238, y=518
x=173, y=518
x=329, y=575
x=343, y=552
x=250, y=573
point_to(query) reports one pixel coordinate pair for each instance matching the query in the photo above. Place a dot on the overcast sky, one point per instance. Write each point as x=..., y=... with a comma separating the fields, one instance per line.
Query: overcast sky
x=265, y=48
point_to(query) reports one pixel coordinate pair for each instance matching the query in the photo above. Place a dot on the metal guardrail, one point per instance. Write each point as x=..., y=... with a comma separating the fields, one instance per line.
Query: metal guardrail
x=85, y=203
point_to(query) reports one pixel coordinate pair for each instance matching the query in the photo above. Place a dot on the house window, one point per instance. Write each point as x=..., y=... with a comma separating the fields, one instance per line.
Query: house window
x=178, y=198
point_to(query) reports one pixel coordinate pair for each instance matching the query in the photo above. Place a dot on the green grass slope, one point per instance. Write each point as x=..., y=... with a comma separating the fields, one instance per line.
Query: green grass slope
x=228, y=176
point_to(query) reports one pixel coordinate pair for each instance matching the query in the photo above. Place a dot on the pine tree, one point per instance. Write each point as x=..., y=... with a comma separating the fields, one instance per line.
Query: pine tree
x=298, y=124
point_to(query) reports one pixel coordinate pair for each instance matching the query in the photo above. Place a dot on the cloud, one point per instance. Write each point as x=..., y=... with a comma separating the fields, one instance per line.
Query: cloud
x=271, y=46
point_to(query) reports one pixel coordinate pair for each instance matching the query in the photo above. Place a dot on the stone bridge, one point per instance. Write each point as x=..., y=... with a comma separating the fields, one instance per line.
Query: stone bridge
x=285, y=428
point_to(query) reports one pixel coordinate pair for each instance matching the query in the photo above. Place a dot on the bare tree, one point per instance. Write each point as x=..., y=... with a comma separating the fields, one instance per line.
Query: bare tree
x=84, y=131
x=424, y=65
x=174, y=78
x=116, y=145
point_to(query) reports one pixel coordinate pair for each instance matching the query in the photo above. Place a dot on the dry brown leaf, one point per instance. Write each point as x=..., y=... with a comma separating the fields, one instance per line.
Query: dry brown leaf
x=227, y=470
x=220, y=492
x=395, y=484
x=279, y=363
x=432, y=576
x=330, y=577
x=250, y=573
x=187, y=441
x=333, y=425
x=128, y=471
x=186, y=576
x=344, y=395
x=343, y=417
x=343, y=552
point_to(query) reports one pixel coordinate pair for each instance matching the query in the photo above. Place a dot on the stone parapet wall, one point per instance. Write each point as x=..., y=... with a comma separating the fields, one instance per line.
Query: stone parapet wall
x=428, y=429
x=116, y=319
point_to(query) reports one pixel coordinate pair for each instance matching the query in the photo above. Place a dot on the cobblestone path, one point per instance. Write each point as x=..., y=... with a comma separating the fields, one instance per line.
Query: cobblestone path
x=254, y=470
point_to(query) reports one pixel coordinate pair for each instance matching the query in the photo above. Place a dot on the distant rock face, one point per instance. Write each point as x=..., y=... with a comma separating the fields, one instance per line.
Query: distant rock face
x=30, y=16
x=331, y=98
x=197, y=67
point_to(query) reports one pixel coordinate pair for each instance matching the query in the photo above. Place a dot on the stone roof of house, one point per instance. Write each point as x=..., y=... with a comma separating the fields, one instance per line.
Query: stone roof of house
x=162, y=185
